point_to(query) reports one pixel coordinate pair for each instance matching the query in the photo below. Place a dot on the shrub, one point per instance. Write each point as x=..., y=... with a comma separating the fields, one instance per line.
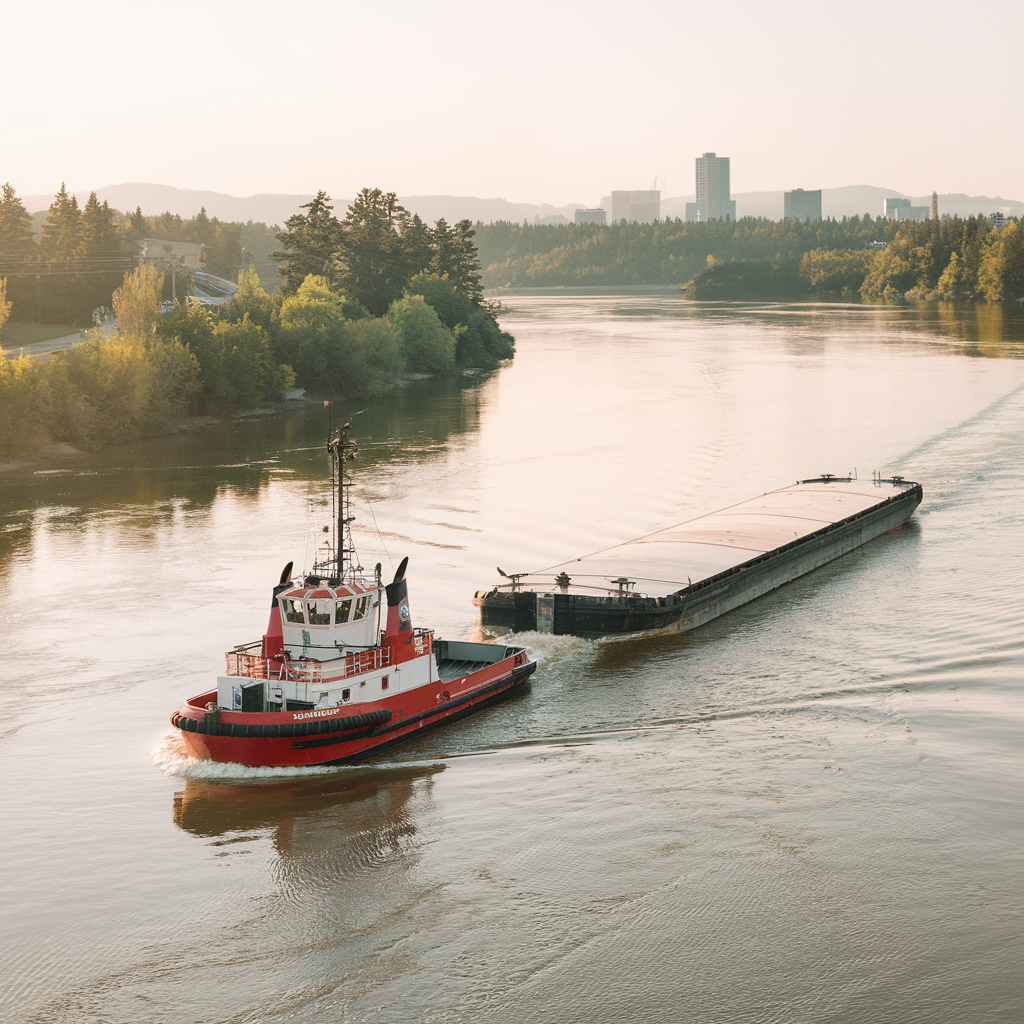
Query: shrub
x=427, y=345
x=23, y=406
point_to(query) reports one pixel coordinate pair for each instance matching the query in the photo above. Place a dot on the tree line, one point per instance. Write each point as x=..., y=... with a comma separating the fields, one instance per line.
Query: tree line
x=379, y=255
x=85, y=252
x=853, y=259
x=366, y=301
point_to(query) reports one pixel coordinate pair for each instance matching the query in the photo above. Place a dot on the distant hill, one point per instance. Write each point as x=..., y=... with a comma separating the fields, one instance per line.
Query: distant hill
x=456, y=208
x=154, y=199
x=276, y=209
x=270, y=208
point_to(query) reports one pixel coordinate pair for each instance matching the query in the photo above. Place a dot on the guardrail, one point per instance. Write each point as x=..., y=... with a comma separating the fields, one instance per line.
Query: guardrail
x=240, y=662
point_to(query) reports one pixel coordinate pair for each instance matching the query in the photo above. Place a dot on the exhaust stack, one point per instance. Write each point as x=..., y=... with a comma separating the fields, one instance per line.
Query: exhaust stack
x=273, y=639
x=399, y=618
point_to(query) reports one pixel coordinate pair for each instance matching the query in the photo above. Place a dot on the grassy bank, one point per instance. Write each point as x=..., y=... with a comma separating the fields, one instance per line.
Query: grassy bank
x=14, y=336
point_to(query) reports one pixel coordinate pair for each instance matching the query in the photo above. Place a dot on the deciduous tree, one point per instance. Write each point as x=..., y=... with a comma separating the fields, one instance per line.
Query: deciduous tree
x=427, y=345
x=137, y=303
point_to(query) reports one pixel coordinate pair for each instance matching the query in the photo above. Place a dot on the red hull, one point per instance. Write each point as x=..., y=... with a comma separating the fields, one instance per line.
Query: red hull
x=362, y=729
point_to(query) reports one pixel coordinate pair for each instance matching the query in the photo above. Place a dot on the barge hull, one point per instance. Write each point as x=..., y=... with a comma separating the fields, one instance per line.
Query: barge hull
x=560, y=611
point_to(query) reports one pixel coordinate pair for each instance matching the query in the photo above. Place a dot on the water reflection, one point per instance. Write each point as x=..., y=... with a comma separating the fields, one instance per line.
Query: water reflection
x=987, y=331
x=150, y=486
x=307, y=815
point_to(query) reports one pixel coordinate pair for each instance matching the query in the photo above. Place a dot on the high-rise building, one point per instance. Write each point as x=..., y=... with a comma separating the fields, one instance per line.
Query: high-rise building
x=918, y=213
x=594, y=216
x=801, y=205
x=713, y=202
x=935, y=206
x=643, y=206
x=900, y=209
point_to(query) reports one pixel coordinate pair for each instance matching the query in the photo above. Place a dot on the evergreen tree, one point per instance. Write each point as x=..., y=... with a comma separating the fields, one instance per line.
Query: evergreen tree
x=418, y=243
x=62, y=229
x=374, y=261
x=200, y=226
x=99, y=237
x=16, y=239
x=309, y=244
x=455, y=257
x=135, y=226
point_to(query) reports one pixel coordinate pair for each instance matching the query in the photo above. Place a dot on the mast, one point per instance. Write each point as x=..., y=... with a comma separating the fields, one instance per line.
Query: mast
x=342, y=450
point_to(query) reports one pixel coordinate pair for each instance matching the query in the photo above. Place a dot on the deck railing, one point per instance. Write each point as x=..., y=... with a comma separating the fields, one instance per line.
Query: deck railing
x=244, y=662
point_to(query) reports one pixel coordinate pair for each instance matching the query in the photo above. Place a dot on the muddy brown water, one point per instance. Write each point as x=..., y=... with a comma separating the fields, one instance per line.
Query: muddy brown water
x=808, y=810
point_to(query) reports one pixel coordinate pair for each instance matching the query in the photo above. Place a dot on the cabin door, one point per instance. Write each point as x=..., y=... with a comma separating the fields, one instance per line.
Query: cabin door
x=545, y=613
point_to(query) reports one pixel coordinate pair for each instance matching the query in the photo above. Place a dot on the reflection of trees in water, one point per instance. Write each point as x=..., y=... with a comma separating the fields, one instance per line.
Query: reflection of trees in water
x=155, y=482
x=995, y=331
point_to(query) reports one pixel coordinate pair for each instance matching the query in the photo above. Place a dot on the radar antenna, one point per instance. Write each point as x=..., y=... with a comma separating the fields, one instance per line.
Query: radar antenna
x=342, y=450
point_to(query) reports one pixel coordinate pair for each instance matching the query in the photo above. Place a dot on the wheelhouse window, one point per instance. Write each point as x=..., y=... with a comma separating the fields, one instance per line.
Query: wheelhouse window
x=361, y=607
x=293, y=610
x=317, y=617
x=342, y=611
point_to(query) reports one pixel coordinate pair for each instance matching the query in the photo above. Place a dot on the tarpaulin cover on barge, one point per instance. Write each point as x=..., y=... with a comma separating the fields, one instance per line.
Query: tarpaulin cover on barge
x=826, y=515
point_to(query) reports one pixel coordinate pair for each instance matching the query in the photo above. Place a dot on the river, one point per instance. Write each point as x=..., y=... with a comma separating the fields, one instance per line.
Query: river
x=808, y=810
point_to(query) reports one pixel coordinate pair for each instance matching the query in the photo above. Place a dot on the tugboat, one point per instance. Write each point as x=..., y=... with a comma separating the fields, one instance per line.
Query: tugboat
x=341, y=672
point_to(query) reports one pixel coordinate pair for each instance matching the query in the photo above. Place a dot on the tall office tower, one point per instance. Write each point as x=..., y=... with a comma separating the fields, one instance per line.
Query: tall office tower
x=935, y=206
x=713, y=202
x=801, y=205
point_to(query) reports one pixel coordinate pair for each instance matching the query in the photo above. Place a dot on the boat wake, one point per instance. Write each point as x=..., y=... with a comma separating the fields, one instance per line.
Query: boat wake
x=171, y=757
x=551, y=647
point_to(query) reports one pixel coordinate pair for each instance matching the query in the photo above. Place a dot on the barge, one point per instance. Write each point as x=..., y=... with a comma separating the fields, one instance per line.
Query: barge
x=341, y=672
x=689, y=574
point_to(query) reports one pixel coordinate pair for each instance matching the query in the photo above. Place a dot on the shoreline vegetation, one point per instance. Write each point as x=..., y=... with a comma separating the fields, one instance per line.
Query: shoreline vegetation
x=371, y=298
x=367, y=301
x=857, y=259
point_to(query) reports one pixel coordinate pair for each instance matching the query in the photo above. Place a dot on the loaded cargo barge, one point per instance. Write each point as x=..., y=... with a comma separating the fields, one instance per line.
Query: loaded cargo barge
x=690, y=574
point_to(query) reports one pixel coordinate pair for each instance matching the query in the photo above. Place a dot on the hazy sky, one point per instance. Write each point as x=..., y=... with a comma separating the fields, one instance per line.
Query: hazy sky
x=532, y=101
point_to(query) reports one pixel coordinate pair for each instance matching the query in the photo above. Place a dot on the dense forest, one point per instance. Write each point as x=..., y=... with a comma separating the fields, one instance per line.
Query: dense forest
x=857, y=258
x=85, y=252
x=367, y=300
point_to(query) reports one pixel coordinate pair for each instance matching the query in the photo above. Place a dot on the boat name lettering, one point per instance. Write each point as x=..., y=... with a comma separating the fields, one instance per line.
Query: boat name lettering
x=326, y=713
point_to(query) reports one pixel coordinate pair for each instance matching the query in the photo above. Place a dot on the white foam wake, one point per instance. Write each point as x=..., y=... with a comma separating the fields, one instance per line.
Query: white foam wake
x=171, y=757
